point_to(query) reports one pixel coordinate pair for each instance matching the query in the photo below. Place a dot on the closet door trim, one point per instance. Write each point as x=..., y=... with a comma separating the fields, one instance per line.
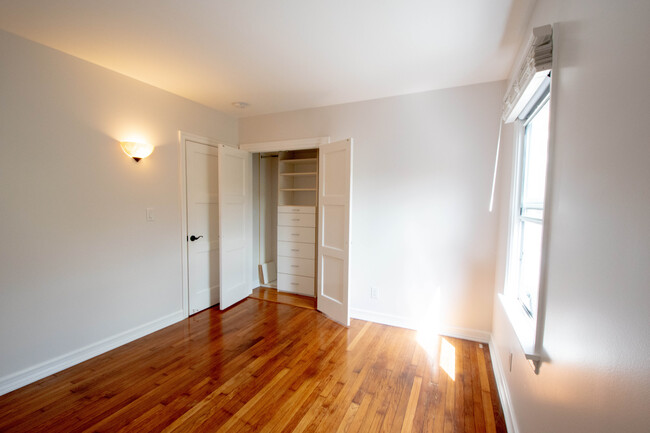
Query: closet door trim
x=275, y=146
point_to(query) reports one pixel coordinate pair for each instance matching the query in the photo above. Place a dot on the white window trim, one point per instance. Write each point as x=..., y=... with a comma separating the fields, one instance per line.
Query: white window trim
x=529, y=331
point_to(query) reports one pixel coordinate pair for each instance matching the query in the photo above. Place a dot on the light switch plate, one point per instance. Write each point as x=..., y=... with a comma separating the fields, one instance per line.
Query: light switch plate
x=150, y=214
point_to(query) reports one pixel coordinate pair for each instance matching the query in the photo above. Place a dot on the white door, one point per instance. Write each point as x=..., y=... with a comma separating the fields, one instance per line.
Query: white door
x=202, y=225
x=235, y=224
x=335, y=188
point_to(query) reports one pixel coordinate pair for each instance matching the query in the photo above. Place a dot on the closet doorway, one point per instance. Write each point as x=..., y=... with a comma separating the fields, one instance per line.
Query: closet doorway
x=302, y=211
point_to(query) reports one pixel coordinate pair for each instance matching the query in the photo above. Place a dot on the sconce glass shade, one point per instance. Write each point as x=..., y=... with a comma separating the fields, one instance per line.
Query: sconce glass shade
x=136, y=150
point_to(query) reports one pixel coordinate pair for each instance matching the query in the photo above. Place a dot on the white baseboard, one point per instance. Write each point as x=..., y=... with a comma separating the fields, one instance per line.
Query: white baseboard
x=502, y=387
x=32, y=374
x=384, y=319
x=408, y=323
x=466, y=334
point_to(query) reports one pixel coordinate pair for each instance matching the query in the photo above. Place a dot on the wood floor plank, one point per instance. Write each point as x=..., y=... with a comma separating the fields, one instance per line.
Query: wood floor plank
x=407, y=425
x=270, y=367
x=490, y=425
x=273, y=295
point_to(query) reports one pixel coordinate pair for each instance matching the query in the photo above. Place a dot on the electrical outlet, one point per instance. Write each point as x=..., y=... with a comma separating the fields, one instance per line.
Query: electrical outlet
x=374, y=293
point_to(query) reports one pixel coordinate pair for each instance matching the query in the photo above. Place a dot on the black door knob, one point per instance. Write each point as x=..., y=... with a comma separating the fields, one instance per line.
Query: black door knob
x=193, y=238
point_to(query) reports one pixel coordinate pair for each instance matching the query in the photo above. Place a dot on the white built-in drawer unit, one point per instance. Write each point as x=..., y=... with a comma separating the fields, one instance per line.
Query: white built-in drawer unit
x=296, y=266
x=297, y=220
x=296, y=209
x=296, y=234
x=296, y=284
x=296, y=249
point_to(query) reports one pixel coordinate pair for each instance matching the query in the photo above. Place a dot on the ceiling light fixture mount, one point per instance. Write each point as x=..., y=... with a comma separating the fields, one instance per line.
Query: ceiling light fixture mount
x=136, y=150
x=241, y=105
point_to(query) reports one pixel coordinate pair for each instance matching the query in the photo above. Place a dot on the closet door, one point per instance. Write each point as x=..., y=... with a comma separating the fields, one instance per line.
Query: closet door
x=234, y=225
x=335, y=188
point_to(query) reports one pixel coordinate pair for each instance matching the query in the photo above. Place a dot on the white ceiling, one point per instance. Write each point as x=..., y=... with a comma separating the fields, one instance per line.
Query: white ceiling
x=285, y=54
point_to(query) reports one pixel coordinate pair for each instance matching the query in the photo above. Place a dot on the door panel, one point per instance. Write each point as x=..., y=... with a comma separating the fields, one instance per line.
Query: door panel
x=234, y=224
x=335, y=188
x=202, y=220
x=333, y=269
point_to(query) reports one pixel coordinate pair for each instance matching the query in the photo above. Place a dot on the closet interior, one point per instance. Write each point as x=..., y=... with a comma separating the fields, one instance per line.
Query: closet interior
x=288, y=216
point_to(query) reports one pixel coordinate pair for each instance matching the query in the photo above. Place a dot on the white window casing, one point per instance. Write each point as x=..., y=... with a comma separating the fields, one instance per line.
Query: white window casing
x=529, y=83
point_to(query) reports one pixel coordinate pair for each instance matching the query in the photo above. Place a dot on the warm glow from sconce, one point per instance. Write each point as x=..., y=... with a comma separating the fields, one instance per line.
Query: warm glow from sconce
x=136, y=150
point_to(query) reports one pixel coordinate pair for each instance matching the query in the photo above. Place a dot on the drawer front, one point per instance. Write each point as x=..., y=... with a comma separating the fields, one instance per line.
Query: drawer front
x=296, y=209
x=297, y=220
x=296, y=284
x=297, y=234
x=296, y=249
x=296, y=266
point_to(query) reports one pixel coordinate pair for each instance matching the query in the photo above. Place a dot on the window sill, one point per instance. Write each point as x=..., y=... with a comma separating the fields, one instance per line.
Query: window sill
x=525, y=330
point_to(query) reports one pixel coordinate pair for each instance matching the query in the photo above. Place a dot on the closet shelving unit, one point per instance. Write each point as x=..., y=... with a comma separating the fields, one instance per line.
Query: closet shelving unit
x=297, y=204
x=298, y=182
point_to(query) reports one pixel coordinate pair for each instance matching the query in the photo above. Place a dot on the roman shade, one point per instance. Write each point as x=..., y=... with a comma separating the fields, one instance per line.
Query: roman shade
x=531, y=74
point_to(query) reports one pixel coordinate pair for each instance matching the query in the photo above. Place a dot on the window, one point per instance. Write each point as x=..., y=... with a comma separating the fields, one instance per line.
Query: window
x=526, y=244
x=530, y=218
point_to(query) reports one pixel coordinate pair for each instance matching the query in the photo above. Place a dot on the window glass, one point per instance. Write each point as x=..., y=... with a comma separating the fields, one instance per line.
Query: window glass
x=535, y=153
x=531, y=249
x=531, y=212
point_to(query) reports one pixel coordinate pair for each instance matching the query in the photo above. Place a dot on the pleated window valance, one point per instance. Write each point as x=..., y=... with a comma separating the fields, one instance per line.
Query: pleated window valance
x=531, y=74
x=532, y=69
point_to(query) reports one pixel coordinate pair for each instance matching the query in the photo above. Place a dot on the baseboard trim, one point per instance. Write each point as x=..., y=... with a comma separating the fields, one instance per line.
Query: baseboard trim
x=502, y=388
x=384, y=319
x=405, y=322
x=32, y=374
x=466, y=334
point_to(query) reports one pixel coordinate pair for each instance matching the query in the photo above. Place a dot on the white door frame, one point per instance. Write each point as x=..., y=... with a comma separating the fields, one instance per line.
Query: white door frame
x=182, y=138
x=283, y=145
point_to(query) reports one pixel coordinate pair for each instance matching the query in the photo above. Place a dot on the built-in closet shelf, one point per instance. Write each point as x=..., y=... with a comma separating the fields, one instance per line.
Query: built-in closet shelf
x=311, y=173
x=299, y=160
x=298, y=189
x=297, y=221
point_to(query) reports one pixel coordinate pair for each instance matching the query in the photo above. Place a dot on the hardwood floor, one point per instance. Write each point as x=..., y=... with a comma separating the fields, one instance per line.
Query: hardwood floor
x=272, y=295
x=264, y=366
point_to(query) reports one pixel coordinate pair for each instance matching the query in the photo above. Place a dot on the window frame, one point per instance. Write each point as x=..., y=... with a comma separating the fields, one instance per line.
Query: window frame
x=539, y=103
x=528, y=325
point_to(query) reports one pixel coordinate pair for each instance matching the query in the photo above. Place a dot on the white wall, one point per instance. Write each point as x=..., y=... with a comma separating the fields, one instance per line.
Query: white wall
x=422, y=175
x=78, y=261
x=597, y=335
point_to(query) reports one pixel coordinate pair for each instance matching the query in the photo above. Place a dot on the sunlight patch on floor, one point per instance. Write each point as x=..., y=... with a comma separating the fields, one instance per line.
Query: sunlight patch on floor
x=448, y=358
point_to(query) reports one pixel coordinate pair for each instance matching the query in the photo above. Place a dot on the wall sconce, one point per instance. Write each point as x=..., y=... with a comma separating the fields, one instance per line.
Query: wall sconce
x=136, y=150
